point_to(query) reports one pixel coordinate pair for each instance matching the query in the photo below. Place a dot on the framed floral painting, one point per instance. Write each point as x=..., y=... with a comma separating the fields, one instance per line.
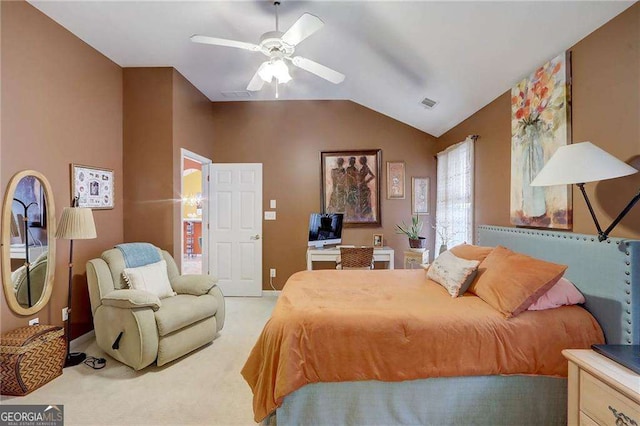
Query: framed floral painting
x=420, y=195
x=395, y=180
x=351, y=185
x=540, y=124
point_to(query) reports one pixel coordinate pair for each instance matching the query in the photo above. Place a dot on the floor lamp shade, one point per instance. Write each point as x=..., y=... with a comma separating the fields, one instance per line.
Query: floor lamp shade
x=76, y=223
x=581, y=163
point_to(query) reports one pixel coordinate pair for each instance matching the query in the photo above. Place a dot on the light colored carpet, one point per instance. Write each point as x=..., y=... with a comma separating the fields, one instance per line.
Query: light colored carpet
x=202, y=388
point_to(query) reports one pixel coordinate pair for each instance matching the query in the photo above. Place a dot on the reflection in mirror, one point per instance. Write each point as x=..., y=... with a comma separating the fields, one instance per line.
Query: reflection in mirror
x=27, y=214
x=29, y=209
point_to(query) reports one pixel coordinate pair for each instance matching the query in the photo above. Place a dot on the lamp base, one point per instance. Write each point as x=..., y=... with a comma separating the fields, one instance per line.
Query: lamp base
x=74, y=358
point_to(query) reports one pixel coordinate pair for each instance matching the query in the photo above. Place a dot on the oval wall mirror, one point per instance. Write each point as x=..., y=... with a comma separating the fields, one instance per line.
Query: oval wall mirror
x=28, y=242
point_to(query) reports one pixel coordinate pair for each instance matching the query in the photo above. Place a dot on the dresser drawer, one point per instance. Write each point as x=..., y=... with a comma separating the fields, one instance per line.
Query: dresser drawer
x=605, y=405
x=586, y=420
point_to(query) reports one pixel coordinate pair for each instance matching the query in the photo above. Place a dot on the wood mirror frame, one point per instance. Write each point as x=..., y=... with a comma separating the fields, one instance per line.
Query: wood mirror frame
x=7, y=214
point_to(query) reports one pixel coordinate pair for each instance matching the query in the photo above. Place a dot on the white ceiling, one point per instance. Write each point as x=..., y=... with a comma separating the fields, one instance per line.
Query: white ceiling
x=394, y=53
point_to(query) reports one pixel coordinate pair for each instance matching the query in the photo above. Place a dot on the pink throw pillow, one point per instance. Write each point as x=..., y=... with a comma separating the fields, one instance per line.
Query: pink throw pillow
x=562, y=293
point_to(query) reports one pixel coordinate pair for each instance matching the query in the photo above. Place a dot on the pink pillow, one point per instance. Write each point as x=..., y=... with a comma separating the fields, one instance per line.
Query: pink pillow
x=562, y=293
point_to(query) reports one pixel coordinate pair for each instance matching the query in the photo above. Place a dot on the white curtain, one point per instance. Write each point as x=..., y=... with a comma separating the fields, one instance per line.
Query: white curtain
x=454, y=207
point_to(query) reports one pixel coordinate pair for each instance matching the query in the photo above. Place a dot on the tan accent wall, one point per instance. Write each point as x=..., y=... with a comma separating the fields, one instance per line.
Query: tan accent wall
x=163, y=113
x=606, y=111
x=193, y=129
x=287, y=138
x=62, y=104
x=148, y=156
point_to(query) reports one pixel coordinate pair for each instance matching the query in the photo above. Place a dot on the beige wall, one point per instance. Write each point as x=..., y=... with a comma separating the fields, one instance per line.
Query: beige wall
x=606, y=111
x=287, y=137
x=62, y=104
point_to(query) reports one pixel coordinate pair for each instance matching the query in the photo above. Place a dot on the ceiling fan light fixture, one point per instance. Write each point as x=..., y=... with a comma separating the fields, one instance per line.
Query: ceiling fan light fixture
x=281, y=71
x=266, y=72
x=276, y=68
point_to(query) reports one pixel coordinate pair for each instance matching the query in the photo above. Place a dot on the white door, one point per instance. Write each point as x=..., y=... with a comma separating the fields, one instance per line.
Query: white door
x=235, y=231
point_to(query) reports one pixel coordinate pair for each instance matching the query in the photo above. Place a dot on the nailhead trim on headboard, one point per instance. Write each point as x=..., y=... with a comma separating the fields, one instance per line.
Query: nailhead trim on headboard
x=608, y=272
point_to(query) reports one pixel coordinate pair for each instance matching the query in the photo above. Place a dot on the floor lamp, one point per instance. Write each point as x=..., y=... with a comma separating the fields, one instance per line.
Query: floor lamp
x=584, y=162
x=76, y=223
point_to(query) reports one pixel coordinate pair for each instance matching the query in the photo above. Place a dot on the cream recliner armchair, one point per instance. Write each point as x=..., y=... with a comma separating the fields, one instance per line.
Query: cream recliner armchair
x=137, y=328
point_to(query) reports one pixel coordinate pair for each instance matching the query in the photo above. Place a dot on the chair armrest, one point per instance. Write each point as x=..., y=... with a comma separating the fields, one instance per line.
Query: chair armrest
x=129, y=299
x=196, y=285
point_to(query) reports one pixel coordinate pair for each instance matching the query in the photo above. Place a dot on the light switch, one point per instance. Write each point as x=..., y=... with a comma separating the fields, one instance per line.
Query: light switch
x=272, y=204
x=269, y=215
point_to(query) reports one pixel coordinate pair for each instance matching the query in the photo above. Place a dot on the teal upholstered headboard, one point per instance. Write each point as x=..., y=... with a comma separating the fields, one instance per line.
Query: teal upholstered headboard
x=607, y=273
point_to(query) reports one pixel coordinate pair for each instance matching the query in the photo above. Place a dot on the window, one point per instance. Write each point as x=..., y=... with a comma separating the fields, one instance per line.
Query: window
x=454, y=207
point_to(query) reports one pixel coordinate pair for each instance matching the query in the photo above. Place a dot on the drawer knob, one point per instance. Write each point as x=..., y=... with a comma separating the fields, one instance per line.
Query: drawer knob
x=622, y=419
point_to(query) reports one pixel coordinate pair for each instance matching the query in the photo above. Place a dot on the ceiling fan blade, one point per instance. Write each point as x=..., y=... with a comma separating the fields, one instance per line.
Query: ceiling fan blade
x=320, y=70
x=306, y=25
x=224, y=42
x=257, y=82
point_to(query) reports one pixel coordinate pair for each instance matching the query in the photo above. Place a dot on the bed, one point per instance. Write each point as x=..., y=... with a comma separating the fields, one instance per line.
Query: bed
x=502, y=396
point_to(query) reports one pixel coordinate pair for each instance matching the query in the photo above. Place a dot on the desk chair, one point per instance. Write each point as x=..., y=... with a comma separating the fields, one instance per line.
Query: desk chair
x=355, y=258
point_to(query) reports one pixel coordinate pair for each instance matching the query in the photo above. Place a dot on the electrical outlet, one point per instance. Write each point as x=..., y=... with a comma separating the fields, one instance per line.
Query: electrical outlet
x=65, y=314
x=34, y=321
x=272, y=272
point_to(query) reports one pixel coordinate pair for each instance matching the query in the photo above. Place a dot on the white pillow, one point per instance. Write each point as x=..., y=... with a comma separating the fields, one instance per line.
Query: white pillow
x=152, y=278
x=453, y=273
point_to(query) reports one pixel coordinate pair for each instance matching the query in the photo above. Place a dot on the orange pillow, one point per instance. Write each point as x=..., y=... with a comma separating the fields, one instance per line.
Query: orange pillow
x=511, y=282
x=471, y=252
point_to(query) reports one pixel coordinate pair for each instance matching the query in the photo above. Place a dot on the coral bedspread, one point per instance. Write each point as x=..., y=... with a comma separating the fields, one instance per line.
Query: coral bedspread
x=333, y=326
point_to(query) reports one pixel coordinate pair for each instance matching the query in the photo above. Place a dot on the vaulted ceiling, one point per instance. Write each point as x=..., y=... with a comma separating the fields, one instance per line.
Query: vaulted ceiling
x=393, y=53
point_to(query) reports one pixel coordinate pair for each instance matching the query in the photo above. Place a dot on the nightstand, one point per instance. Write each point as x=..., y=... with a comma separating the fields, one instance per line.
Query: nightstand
x=601, y=391
x=413, y=259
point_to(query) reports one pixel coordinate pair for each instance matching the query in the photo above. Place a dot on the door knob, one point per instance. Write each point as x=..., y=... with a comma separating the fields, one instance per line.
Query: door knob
x=255, y=237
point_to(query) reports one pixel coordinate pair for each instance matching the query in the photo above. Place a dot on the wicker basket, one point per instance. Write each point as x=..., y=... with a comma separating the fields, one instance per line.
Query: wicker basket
x=30, y=357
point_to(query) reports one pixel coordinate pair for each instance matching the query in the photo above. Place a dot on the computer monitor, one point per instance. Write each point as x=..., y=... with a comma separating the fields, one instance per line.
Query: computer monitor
x=325, y=229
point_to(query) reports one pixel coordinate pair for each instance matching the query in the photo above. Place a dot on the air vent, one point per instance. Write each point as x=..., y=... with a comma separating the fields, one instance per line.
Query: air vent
x=428, y=103
x=236, y=94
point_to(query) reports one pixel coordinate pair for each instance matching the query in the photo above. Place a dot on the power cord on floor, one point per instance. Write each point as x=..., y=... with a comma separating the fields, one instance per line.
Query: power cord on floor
x=95, y=363
x=271, y=284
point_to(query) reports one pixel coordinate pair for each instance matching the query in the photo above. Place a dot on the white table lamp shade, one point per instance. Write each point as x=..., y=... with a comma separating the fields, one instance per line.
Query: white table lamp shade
x=76, y=223
x=580, y=163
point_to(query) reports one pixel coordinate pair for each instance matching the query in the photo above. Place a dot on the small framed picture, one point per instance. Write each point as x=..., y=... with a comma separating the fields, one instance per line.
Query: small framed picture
x=378, y=240
x=395, y=180
x=420, y=195
x=93, y=186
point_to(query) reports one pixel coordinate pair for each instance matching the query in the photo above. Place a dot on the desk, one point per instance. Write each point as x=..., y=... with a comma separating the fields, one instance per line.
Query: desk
x=384, y=254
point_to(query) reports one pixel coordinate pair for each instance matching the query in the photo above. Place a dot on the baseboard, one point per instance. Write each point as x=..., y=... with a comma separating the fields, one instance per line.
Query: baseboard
x=271, y=293
x=82, y=339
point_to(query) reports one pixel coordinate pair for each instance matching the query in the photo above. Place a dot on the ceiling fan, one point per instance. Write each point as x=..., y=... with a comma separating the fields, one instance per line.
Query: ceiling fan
x=279, y=47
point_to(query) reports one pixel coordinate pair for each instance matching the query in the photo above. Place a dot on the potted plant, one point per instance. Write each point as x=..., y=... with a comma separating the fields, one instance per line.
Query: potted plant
x=413, y=232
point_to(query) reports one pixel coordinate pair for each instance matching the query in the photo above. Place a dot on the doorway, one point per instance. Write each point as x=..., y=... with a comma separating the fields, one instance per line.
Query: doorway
x=194, y=213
